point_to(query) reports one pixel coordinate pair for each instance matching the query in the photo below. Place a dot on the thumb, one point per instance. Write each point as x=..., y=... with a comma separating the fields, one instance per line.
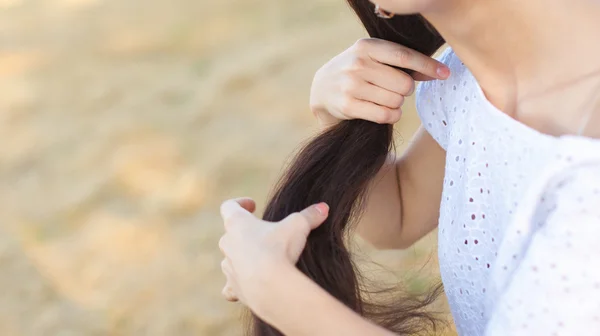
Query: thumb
x=315, y=215
x=247, y=203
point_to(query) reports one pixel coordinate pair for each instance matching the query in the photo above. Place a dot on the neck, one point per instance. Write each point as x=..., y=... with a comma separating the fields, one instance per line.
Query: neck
x=522, y=52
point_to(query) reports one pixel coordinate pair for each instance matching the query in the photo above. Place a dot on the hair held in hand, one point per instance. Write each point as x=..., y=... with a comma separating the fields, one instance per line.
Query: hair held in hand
x=337, y=167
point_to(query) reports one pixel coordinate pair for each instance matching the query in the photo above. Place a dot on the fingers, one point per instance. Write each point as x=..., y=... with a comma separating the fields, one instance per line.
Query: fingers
x=228, y=294
x=420, y=77
x=227, y=291
x=247, y=203
x=226, y=268
x=237, y=207
x=371, y=93
x=222, y=244
x=390, y=79
x=399, y=56
x=314, y=215
x=361, y=109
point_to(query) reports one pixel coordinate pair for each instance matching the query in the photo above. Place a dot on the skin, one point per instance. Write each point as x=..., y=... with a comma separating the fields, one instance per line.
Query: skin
x=338, y=93
x=529, y=66
x=511, y=60
x=360, y=83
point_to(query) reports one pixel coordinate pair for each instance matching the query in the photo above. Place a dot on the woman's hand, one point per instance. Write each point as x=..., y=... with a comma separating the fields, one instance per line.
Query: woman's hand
x=255, y=249
x=361, y=82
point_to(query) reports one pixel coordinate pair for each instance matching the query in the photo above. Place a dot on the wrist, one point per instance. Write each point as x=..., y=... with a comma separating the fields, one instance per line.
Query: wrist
x=272, y=290
x=324, y=118
x=320, y=110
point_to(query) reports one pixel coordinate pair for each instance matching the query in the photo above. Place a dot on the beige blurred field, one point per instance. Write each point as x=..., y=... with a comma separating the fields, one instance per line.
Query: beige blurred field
x=124, y=124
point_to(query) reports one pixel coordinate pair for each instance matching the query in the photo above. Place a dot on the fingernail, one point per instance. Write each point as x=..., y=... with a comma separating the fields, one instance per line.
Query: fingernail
x=443, y=71
x=322, y=208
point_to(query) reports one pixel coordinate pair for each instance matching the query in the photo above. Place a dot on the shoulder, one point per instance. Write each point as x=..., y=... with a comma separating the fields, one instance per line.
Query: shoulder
x=437, y=100
x=459, y=74
x=449, y=57
x=458, y=70
x=436, y=93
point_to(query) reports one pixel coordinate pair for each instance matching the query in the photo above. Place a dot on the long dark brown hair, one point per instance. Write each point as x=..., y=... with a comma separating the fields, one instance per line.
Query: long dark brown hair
x=337, y=167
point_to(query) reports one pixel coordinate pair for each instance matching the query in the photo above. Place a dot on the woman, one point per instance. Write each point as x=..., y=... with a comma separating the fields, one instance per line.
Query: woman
x=518, y=225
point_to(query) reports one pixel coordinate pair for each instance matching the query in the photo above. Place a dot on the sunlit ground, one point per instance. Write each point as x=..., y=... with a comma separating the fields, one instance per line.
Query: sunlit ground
x=125, y=123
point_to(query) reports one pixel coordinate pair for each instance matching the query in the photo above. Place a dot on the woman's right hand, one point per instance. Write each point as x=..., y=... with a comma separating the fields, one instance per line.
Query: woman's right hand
x=361, y=83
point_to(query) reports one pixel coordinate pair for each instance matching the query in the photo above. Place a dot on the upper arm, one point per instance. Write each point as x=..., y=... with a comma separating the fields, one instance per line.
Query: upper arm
x=421, y=176
x=403, y=201
x=546, y=279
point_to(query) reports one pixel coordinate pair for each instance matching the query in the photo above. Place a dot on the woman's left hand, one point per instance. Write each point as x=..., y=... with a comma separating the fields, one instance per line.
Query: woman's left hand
x=255, y=249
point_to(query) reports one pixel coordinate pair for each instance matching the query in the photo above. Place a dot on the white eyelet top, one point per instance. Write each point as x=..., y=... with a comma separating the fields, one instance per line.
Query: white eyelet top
x=487, y=227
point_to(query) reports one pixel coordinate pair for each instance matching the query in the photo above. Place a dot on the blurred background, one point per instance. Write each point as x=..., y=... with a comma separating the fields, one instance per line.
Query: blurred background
x=125, y=123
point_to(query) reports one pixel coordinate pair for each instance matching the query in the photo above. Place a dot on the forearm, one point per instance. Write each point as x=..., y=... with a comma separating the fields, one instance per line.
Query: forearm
x=297, y=306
